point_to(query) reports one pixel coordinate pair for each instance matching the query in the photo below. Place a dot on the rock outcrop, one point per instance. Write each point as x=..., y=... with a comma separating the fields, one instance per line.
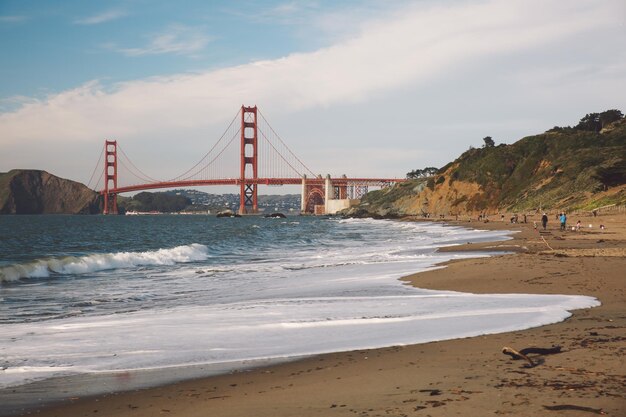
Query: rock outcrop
x=39, y=192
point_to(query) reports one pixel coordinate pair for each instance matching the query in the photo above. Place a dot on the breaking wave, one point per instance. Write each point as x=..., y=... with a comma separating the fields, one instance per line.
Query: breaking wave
x=42, y=268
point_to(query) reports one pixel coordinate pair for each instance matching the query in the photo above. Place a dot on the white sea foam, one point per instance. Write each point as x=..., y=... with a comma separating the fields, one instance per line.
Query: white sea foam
x=42, y=268
x=271, y=329
x=261, y=301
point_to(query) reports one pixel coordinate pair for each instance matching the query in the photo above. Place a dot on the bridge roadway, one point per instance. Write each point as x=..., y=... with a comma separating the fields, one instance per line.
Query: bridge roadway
x=339, y=182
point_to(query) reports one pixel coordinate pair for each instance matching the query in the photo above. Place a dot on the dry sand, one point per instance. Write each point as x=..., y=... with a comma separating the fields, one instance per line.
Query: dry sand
x=468, y=377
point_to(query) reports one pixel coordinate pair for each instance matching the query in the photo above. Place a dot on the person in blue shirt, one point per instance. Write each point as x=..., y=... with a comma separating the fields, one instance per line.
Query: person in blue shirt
x=563, y=220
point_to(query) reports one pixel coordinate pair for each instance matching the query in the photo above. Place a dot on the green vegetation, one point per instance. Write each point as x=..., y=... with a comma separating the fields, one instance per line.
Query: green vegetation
x=546, y=169
x=592, y=122
x=581, y=167
x=422, y=173
x=615, y=199
x=163, y=202
x=384, y=199
x=489, y=143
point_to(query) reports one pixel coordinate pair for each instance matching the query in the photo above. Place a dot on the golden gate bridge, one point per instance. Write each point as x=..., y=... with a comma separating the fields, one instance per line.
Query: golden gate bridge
x=258, y=157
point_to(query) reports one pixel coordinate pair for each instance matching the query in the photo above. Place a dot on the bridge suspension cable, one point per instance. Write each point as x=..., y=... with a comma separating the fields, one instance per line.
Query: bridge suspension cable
x=280, y=156
x=229, y=129
x=213, y=165
x=140, y=174
x=95, y=187
x=304, y=169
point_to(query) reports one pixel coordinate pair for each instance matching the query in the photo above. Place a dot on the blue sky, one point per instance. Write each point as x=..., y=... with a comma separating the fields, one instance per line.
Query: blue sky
x=52, y=46
x=366, y=88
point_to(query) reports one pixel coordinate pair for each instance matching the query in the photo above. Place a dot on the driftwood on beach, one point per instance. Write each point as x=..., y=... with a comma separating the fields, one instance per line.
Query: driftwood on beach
x=562, y=407
x=523, y=354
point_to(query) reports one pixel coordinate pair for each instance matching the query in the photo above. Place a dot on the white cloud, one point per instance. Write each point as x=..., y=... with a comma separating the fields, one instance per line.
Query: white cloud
x=101, y=17
x=176, y=39
x=416, y=47
x=12, y=19
x=287, y=8
x=14, y=102
x=292, y=12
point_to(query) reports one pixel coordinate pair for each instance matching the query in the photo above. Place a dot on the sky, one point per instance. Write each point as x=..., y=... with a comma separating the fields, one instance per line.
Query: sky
x=364, y=88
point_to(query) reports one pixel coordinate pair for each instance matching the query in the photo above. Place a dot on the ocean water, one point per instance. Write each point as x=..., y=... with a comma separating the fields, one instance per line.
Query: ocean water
x=90, y=295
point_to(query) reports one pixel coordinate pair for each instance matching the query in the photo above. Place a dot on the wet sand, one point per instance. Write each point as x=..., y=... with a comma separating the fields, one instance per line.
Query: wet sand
x=468, y=377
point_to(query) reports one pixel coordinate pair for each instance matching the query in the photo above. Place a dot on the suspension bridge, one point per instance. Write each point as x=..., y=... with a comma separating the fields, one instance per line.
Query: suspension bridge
x=258, y=157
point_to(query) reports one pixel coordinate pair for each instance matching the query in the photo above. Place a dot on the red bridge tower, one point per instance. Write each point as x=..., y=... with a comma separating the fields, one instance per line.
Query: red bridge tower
x=249, y=155
x=110, y=199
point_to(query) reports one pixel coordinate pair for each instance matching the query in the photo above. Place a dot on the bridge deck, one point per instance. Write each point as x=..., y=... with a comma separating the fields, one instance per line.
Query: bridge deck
x=339, y=182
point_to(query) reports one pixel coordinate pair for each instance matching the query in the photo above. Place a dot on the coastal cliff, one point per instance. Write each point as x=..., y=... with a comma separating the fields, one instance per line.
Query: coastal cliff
x=39, y=192
x=563, y=168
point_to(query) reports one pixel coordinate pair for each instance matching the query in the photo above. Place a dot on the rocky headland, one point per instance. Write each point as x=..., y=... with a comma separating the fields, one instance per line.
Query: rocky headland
x=28, y=191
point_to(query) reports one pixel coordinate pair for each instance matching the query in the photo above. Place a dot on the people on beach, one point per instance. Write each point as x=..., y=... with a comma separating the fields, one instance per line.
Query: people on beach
x=578, y=226
x=544, y=221
x=563, y=220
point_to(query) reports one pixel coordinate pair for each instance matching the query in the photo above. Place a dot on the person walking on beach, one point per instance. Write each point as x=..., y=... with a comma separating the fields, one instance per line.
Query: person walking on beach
x=563, y=220
x=544, y=220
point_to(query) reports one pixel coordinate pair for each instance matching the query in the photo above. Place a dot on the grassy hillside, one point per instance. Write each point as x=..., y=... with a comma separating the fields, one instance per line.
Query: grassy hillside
x=548, y=170
x=564, y=168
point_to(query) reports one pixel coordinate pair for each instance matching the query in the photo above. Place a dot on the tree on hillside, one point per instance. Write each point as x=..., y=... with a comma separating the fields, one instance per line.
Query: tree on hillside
x=591, y=122
x=610, y=116
x=560, y=129
x=416, y=173
x=422, y=173
x=594, y=122
x=489, y=143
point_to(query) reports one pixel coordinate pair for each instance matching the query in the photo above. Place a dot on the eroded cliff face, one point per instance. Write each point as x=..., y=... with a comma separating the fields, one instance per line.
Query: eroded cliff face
x=445, y=198
x=39, y=192
x=416, y=198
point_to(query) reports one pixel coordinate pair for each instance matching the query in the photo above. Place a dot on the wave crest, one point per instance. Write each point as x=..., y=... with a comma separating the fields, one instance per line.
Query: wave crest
x=42, y=268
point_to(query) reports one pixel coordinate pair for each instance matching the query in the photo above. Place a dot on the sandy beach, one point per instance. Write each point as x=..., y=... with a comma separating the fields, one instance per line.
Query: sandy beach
x=468, y=377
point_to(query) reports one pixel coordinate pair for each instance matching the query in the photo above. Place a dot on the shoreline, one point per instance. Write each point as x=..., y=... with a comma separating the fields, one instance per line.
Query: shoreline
x=469, y=376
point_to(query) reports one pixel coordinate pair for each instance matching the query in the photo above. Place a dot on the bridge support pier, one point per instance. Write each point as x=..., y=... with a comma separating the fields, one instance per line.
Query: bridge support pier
x=328, y=192
x=303, y=195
